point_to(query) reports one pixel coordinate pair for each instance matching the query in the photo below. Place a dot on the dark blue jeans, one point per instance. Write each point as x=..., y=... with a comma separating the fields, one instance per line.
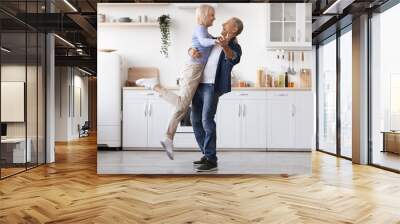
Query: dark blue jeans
x=204, y=107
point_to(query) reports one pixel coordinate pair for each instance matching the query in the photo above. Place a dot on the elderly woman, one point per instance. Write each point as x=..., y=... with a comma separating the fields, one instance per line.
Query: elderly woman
x=192, y=73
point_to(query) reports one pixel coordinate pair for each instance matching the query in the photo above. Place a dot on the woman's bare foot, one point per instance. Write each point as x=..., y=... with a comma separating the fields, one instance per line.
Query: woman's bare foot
x=150, y=83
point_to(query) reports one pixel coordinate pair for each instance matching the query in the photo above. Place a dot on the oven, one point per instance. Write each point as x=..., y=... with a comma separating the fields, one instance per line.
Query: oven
x=185, y=126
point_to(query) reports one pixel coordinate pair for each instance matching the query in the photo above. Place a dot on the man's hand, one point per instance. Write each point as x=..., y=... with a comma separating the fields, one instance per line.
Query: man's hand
x=194, y=53
x=223, y=41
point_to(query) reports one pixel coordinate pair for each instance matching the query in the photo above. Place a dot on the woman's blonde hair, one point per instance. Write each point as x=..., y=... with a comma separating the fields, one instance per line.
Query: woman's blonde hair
x=202, y=12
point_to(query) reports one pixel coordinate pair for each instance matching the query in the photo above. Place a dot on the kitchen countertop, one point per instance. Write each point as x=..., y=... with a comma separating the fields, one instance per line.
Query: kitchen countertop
x=234, y=88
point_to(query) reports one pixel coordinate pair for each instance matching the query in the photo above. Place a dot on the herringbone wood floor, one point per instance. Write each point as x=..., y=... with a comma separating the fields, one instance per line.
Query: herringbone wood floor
x=70, y=191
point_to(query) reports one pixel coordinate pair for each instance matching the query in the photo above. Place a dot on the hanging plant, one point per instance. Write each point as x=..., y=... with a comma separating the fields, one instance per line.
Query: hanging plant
x=164, y=22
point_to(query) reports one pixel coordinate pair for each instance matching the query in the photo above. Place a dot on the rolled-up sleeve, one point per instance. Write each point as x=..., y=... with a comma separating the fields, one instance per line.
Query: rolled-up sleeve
x=237, y=53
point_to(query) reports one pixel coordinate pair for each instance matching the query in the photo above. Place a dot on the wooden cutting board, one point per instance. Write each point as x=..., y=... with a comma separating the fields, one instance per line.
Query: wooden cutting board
x=135, y=73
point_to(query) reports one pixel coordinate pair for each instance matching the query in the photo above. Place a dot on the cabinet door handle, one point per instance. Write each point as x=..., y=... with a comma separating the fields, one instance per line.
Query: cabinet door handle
x=293, y=110
x=240, y=109
x=145, y=110
x=244, y=110
x=282, y=94
x=149, y=94
x=243, y=94
x=150, y=108
x=298, y=35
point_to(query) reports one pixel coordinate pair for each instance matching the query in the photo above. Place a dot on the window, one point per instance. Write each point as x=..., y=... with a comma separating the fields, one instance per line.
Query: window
x=327, y=96
x=385, y=89
x=346, y=94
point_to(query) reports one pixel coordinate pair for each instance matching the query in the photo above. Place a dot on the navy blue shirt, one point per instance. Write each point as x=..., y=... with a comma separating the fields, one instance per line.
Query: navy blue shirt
x=222, y=82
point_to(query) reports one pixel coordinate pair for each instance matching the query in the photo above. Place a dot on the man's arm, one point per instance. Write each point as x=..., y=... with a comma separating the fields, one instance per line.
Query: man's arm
x=237, y=51
x=232, y=55
x=229, y=53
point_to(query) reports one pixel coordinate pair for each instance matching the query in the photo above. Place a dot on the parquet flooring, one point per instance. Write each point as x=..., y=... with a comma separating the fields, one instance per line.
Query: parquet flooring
x=70, y=191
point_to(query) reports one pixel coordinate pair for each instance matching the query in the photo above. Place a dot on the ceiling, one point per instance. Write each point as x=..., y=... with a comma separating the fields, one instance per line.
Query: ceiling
x=77, y=23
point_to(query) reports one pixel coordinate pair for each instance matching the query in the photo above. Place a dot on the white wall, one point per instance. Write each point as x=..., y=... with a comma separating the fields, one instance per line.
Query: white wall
x=81, y=83
x=61, y=103
x=65, y=118
x=140, y=46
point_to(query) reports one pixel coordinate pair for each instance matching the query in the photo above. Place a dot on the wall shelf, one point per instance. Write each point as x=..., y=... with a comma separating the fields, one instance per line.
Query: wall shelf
x=193, y=5
x=130, y=24
x=132, y=4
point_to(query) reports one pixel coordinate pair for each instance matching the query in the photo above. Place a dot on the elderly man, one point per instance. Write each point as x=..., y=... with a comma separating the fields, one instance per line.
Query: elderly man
x=215, y=82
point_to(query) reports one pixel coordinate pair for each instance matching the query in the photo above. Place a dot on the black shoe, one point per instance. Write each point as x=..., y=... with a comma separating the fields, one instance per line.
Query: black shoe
x=207, y=167
x=200, y=162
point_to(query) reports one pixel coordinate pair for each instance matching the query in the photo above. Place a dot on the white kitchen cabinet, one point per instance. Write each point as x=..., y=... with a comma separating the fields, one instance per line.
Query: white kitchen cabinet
x=158, y=115
x=145, y=118
x=290, y=121
x=246, y=120
x=280, y=120
x=254, y=123
x=135, y=121
x=304, y=113
x=241, y=120
x=228, y=124
x=289, y=25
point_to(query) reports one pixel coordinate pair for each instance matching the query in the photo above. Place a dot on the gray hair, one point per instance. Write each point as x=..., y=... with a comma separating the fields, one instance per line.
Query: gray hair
x=239, y=25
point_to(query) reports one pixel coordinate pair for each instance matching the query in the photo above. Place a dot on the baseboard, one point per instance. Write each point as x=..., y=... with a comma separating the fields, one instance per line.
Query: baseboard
x=105, y=147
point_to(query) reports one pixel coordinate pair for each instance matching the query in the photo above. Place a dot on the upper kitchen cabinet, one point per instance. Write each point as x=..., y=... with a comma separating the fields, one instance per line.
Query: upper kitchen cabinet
x=289, y=26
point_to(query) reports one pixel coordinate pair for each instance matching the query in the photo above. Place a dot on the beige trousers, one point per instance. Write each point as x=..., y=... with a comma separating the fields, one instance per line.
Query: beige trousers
x=191, y=78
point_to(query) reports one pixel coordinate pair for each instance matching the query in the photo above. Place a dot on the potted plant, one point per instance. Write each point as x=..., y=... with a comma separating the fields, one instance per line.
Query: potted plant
x=165, y=21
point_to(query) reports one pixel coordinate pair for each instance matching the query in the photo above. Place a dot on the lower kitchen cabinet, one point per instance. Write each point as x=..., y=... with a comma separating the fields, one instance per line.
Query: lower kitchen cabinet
x=145, y=119
x=134, y=127
x=229, y=122
x=290, y=119
x=280, y=120
x=304, y=111
x=269, y=120
x=158, y=115
x=254, y=124
x=241, y=122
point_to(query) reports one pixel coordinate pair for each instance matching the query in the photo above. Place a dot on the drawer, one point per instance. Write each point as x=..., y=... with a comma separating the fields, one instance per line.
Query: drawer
x=279, y=94
x=244, y=94
x=135, y=94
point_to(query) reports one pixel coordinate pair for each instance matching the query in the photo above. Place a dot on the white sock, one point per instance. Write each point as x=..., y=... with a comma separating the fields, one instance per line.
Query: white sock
x=168, y=145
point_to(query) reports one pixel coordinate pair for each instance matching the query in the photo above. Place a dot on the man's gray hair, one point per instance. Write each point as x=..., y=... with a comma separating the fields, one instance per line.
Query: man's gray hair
x=239, y=25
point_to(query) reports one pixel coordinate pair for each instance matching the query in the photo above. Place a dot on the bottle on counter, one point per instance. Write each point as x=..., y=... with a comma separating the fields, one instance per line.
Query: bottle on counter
x=281, y=81
x=286, y=80
x=259, y=75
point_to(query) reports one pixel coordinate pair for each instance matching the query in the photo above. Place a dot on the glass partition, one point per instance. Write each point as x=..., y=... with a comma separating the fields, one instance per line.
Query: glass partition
x=327, y=96
x=22, y=67
x=14, y=152
x=385, y=90
x=346, y=94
